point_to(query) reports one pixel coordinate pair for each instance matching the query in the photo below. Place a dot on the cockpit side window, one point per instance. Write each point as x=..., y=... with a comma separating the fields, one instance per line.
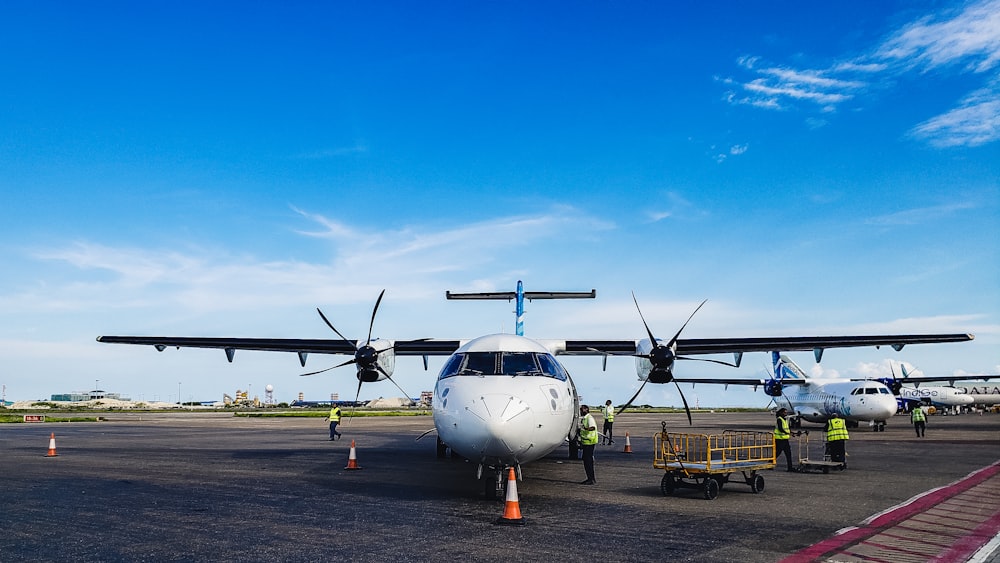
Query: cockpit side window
x=551, y=368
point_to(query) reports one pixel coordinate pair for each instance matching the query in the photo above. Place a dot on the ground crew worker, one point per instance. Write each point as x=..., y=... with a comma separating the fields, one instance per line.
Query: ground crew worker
x=781, y=436
x=836, y=439
x=609, y=419
x=588, y=440
x=919, y=420
x=334, y=419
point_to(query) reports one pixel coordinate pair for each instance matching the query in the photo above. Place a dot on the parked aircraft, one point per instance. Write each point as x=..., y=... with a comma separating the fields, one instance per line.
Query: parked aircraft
x=503, y=400
x=981, y=393
x=938, y=396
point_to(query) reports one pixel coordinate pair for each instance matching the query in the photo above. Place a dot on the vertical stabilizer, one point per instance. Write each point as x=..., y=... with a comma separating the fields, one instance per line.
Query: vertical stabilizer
x=785, y=368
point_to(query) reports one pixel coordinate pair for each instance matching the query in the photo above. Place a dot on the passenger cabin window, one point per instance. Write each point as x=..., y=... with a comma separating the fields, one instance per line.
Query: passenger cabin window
x=503, y=363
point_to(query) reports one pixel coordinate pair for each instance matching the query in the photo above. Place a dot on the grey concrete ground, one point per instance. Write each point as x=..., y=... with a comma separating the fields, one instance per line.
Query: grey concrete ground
x=162, y=487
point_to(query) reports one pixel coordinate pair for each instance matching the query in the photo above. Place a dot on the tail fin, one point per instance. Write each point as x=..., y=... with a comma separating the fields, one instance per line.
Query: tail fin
x=902, y=368
x=785, y=368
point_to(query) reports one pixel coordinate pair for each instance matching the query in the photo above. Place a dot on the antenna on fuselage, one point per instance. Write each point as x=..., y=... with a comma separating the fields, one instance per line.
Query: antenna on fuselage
x=520, y=295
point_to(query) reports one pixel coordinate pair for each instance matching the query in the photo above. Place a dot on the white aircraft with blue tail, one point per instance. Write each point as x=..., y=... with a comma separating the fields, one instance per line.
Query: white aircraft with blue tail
x=503, y=400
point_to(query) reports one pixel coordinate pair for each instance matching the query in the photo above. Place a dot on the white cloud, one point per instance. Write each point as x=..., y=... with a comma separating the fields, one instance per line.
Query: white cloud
x=970, y=37
x=976, y=121
x=920, y=215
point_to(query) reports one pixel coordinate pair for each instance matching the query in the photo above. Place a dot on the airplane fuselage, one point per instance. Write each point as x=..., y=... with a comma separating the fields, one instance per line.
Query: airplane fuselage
x=859, y=402
x=938, y=396
x=503, y=400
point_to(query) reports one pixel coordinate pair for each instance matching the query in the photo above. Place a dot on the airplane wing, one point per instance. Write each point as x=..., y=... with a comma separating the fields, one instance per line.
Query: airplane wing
x=738, y=346
x=300, y=346
x=438, y=347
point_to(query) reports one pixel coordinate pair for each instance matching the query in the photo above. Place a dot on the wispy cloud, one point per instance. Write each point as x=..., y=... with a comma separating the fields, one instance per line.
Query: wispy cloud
x=967, y=38
x=676, y=206
x=199, y=280
x=970, y=37
x=976, y=121
x=920, y=215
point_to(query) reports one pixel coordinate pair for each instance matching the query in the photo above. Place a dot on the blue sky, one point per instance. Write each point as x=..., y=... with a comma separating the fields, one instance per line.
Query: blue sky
x=184, y=169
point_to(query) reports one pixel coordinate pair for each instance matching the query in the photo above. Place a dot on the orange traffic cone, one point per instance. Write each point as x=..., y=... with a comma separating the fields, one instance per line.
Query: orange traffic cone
x=52, y=446
x=628, y=445
x=511, y=510
x=352, y=459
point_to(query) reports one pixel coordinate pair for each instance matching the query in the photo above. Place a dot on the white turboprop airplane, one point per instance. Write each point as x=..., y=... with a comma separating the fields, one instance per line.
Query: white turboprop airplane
x=938, y=396
x=503, y=400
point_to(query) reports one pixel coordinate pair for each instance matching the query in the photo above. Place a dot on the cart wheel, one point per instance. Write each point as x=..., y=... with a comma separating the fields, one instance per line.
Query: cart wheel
x=721, y=480
x=668, y=485
x=711, y=489
x=757, y=484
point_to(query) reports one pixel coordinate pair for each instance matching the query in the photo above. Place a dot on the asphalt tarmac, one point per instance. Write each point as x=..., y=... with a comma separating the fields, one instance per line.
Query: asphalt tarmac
x=190, y=486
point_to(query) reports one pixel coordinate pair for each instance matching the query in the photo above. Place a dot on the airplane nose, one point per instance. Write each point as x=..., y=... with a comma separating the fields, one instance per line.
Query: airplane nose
x=507, y=425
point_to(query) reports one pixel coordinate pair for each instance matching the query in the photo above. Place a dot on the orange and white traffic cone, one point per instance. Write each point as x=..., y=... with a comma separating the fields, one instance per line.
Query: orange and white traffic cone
x=352, y=459
x=628, y=445
x=52, y=446
x=511, y=510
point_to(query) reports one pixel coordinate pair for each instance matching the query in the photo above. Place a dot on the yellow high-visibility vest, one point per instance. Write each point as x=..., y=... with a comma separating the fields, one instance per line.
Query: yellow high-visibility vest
x=837, y=430
x=588, y=437
x=781, y=429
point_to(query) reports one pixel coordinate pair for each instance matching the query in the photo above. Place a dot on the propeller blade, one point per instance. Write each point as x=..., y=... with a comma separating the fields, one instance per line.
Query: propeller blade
x=327, y=369
x=676, y=336
x=629, y=403
x=374, y=311
x=354, y=405
x=329, y=324
x=683, y=400
x=652, y=339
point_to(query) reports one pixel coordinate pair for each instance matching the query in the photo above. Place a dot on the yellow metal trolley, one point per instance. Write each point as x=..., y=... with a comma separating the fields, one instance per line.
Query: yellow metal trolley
x=705, y=461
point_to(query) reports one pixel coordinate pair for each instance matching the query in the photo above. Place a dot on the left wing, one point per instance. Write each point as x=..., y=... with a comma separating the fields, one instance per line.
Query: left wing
x=302, y=347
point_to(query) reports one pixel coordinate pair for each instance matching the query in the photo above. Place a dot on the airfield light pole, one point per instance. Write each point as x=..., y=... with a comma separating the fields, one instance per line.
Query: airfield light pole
x=179, y=402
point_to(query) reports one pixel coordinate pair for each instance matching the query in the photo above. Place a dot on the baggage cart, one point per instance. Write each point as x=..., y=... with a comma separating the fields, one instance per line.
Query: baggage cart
x=705, y=461
x=821, y=462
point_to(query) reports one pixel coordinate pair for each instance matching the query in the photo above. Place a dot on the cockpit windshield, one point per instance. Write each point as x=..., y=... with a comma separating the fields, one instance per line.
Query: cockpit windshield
x=503, y=363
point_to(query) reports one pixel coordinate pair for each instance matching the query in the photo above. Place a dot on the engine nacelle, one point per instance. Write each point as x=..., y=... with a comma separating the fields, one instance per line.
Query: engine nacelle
x=370, y=354
x=773, y=388
x=893, y=384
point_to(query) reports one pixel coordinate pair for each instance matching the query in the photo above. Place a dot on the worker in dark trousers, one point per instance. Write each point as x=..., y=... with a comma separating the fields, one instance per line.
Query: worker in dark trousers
x=919, y=420
x=608, y=411
x=334, y=419
x=588, y=441
x=836, y=439
x=781, y=436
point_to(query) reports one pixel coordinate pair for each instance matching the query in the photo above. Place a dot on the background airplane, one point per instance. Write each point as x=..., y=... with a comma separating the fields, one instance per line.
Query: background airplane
x=938, y=396
x=503, y=400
